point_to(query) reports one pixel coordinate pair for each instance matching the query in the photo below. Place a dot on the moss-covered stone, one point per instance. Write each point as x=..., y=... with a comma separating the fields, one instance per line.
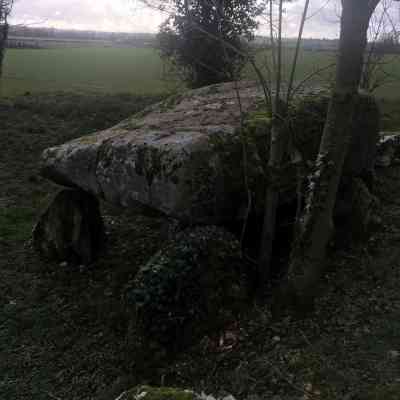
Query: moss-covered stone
x=185, y=156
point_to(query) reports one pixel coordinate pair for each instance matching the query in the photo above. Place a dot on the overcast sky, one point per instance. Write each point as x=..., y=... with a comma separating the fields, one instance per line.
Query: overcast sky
x=132, y=16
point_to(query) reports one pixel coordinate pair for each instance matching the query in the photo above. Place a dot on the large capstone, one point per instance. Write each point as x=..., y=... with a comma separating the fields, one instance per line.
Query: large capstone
x=184, y=156
x=71, y=228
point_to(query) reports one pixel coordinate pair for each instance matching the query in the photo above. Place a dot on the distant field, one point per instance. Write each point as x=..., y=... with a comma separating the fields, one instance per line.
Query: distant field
x=83, y=70
x=131, y=70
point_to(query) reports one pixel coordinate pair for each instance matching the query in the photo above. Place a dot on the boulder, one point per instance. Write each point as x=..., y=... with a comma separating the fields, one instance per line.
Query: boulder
x=71, y=229
x=194, y=285
x=183, y=156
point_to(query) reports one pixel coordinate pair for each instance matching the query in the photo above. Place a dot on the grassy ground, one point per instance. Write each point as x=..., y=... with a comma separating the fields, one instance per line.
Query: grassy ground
x=63, y=332
x=84, y=70
x=139, y=71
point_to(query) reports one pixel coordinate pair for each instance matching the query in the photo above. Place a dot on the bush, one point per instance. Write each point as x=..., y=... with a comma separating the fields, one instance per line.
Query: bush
x=200, y=39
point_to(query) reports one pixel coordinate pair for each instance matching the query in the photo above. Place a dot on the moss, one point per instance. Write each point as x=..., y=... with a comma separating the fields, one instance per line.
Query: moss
x=143, y=113
x=213, y=89
x=171, y=102
x=16, y=224
x=160, y=393
x=89, y=139
x=132, y=124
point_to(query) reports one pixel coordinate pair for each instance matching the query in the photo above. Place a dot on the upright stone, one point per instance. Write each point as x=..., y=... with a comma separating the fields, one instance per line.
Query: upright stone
x=71, y=229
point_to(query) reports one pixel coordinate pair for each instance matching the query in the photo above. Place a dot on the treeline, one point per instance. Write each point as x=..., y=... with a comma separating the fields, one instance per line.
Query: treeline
x=128, y=39
x=33, y=37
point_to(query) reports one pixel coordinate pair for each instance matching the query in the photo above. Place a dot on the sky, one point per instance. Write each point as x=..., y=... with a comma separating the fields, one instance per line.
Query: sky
x=132, y=16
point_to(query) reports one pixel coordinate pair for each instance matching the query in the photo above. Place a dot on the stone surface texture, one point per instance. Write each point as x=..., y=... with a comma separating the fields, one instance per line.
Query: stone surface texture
x=182, y=156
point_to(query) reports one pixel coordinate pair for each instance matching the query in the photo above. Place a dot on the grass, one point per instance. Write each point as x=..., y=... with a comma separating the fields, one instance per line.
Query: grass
x=84, y=70
x=316, y=63
x=139, y=71
x=64, y=333
x=16, y=223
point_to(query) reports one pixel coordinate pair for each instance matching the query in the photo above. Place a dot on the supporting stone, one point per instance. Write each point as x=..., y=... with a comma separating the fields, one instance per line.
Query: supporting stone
x=71, y=229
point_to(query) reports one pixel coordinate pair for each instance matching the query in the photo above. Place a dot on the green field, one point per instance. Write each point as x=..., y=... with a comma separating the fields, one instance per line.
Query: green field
x=134, y=70
x=84, y=70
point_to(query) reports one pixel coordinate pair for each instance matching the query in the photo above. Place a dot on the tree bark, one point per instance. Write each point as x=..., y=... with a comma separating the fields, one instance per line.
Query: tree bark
x=306, y=266
x=5, y=9
x=278, y=144
x=3, y=41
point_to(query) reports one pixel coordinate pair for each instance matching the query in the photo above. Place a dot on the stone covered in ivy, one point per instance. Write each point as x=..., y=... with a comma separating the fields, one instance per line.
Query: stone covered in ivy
x=194, y=285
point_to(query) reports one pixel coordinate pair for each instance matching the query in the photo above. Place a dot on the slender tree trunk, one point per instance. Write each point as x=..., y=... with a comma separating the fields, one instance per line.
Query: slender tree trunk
x=308, y=253
x=3, y=42
x=5, y=9
x=278, y=142
x=278, y=145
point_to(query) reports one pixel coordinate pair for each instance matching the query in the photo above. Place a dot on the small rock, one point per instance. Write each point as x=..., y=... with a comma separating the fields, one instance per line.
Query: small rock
x=63, y=264
x=276, y=339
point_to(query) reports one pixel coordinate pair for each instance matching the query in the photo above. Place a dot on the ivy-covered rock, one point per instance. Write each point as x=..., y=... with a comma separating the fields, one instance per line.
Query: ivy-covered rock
x=194, y=285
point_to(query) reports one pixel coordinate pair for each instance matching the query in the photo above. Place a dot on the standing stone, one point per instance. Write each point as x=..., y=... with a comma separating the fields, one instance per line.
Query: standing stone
x=71, y=229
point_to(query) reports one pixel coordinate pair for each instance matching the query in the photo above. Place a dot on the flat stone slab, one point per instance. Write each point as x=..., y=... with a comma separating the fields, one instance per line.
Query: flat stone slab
x=183, y=156
x=161, y=157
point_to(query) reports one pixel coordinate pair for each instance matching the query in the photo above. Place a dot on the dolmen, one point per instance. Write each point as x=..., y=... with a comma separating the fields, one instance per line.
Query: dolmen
x=185, y=158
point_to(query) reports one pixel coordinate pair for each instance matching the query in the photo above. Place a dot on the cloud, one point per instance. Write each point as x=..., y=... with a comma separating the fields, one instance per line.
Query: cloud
x=132, y=16
x=106, y=15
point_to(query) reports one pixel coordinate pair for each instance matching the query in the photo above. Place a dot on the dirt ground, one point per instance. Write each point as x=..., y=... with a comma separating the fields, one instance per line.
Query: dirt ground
x=64, y=331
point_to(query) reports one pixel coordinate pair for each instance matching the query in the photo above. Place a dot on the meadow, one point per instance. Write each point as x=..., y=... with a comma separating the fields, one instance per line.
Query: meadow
x=107, y=70
x=83, y=70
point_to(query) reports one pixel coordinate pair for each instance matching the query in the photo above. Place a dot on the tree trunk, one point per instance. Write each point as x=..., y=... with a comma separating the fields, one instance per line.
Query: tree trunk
x=276, y=154
x=306, y=266
x=3, y=41
x=278, y=147
x=5, y=9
